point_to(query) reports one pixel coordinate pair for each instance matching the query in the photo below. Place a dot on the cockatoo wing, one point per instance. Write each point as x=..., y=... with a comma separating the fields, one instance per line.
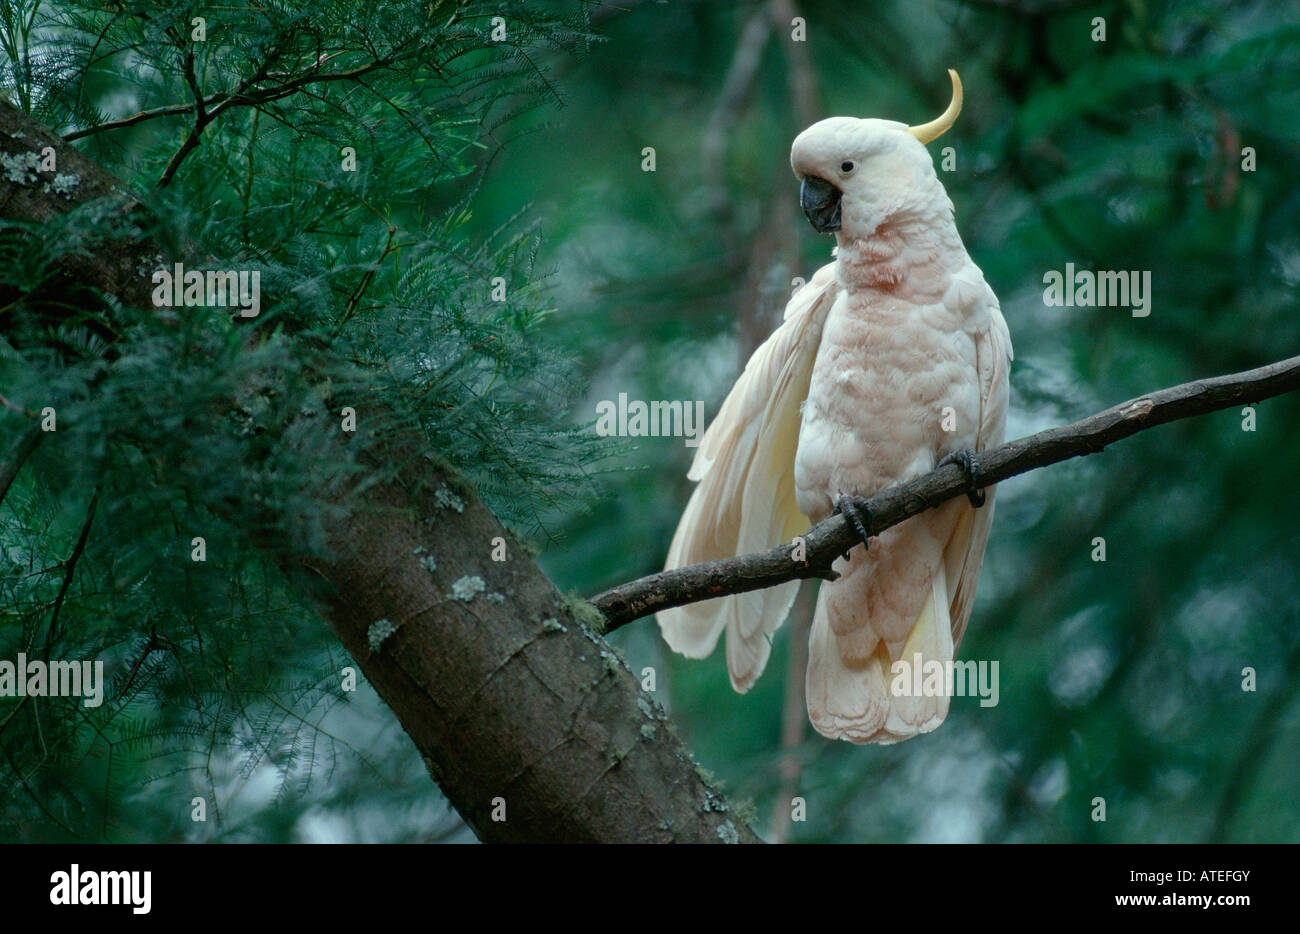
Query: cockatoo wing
x=745, y=499
x=965, y=553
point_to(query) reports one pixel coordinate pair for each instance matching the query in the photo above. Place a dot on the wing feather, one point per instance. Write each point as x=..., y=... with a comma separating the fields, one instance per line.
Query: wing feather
x=745, y=498
x=965, y=553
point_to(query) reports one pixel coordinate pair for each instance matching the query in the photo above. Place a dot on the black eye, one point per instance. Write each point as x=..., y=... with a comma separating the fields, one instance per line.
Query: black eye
x=846, y=166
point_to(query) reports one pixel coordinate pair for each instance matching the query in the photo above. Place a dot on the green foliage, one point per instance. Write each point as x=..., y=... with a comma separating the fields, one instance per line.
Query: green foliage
x=172, y=424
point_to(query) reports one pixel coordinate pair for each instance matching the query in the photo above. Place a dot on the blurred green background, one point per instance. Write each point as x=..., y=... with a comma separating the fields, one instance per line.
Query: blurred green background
x=1120, y=680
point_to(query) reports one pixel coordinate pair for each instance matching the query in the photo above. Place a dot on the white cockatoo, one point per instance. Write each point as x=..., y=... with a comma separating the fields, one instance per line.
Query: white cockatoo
x=893, y=358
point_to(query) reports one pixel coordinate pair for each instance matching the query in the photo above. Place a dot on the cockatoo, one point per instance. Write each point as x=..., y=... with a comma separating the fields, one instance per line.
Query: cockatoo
x=892, y=360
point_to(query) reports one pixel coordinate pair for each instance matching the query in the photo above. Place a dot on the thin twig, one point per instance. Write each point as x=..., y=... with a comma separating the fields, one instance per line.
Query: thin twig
x=22, y=449
x=171, y=110
x=201, y=117
x=191, y=142
x=70, y=567
x=366, y=279
x=150, y=647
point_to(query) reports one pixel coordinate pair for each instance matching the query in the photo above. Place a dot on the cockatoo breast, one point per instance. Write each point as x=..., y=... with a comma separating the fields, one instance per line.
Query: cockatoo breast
x=895, y=385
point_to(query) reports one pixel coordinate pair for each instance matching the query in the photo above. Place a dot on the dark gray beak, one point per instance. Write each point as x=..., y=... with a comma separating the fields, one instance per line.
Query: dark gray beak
x=821, y=203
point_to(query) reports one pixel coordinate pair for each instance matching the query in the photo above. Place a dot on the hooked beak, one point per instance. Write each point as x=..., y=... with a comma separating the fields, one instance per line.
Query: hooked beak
x=821, y=203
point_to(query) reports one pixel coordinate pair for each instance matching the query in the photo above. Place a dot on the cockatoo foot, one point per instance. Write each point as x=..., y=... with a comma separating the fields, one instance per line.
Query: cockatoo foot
x=970, y=466
x=856, y=510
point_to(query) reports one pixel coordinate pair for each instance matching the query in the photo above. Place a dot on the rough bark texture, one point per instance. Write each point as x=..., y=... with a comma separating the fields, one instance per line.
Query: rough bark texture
x=831, y=537
x=515, y=699
x=505, y=694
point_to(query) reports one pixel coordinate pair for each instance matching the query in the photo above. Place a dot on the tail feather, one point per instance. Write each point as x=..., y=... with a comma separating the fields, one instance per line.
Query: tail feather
x=930, y=641
x=845, y=700
x=890, y=603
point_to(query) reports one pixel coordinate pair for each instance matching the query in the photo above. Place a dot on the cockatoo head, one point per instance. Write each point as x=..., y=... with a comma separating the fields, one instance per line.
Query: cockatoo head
x=860, y=174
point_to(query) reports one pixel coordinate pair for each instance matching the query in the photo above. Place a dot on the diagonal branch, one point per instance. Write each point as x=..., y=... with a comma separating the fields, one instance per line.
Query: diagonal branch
x=201, y=120
x=18, y=454
x=70, y=569
x=170, y=110
x=831, y=537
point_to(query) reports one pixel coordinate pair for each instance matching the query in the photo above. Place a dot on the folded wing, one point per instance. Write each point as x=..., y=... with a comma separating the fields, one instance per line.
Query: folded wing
x=745, y=499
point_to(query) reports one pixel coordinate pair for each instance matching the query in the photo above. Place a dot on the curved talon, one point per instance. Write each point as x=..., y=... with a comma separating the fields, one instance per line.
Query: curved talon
x=970, y=466
x=855, y=509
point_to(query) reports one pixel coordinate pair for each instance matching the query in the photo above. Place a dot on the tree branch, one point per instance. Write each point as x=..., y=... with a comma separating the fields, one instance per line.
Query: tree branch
x=833, y=536
x=201, y=117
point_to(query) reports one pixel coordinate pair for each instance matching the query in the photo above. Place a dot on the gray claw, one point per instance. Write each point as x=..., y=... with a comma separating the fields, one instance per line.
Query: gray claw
x=855, y=509
x=970, y=466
